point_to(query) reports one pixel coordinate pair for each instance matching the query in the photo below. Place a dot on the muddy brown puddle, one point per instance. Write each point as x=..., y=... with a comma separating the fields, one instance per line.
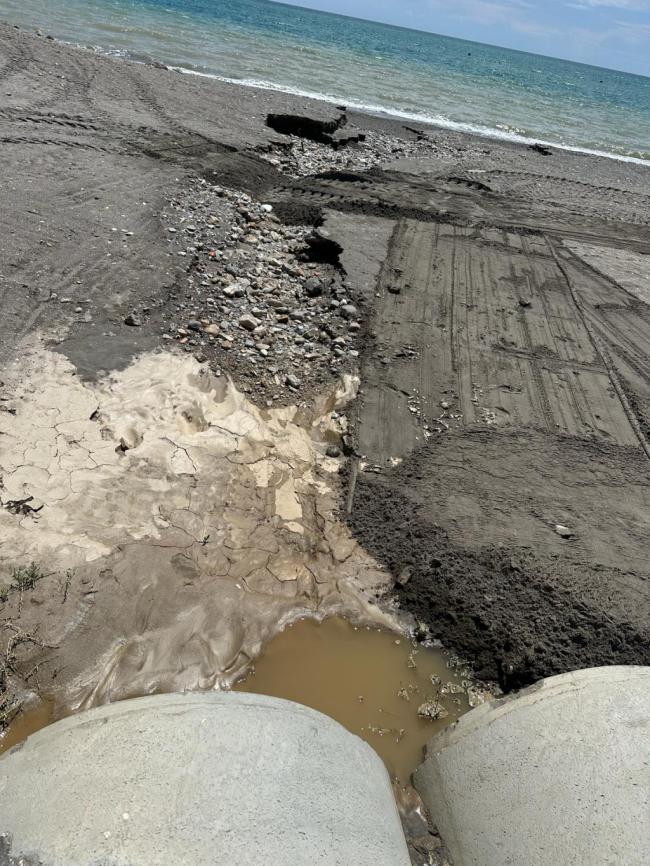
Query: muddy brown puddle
x=27, y=723
x=372, y=681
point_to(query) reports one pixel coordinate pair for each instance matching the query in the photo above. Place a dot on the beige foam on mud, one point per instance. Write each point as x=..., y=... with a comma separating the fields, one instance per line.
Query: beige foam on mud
x=180, y=528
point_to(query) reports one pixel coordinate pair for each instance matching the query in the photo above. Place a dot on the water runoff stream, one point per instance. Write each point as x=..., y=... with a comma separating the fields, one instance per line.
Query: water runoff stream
x=383, y=686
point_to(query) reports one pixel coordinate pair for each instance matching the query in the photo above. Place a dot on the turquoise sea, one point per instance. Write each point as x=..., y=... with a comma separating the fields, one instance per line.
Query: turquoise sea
x=384, y=69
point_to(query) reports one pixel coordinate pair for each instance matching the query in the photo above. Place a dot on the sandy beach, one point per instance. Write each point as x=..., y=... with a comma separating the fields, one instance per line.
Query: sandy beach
x=385, y=370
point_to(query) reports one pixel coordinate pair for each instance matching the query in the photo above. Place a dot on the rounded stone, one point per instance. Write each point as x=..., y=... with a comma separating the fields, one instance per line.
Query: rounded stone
x=204, y=779
x=559, y=773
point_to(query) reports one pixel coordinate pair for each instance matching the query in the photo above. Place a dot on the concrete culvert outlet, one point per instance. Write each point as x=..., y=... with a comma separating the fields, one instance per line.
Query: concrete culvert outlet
x=198, y=779
x=558, y=774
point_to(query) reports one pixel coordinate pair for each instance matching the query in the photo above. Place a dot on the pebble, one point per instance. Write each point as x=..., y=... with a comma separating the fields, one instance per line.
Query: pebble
x=313, y=287
x=260, y=298
x=349, y=311
x=432, y=710
x=307, y=157
x=133, y=321
x=249, y=322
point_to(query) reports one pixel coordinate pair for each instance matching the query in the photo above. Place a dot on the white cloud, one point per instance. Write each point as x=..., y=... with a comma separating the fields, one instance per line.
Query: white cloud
x=632, y=32
x=510, y=13
x=599, y=37
x=630, y=5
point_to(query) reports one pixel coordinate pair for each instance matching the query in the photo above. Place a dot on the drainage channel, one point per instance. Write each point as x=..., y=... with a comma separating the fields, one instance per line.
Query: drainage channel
x=389, y=690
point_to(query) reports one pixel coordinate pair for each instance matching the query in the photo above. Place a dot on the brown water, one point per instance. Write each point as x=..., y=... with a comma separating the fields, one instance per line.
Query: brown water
x=26, y=723
x=370, y=680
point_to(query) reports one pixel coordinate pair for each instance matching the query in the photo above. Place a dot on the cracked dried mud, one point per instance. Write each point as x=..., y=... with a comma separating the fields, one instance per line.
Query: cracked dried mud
x=181, y=526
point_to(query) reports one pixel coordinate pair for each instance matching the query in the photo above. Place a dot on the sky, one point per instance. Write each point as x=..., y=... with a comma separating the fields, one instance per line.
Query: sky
x=612, y=33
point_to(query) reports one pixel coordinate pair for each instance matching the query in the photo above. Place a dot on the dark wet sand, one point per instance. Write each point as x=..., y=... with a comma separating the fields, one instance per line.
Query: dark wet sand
x=505, y=373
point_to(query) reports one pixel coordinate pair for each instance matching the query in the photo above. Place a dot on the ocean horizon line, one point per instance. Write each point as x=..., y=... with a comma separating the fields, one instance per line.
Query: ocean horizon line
x=454, y=38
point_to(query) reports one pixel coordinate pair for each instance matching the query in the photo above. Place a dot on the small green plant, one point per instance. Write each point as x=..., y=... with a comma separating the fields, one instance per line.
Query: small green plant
x=26, y=576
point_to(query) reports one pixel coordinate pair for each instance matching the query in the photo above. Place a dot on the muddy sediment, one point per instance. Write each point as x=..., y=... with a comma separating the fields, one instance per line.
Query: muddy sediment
x=389, y=689
x=174, y=527
x=519, y=612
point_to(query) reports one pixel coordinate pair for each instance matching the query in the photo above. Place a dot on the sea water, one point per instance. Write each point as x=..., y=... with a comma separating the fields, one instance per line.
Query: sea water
x=384, y=69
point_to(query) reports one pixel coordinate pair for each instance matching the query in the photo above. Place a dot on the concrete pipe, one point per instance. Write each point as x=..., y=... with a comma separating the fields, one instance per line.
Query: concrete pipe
x=198, y=779
x=558, y=774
